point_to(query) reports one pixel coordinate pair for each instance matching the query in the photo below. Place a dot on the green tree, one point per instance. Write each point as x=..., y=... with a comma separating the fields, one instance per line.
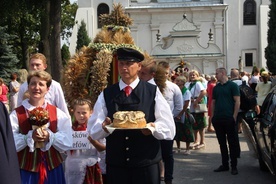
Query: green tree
x=8, y=60
x=65, y=54
x=270, y=54
x=68, y=19
x=37, y=25
x=22, y=20
x=82, y=36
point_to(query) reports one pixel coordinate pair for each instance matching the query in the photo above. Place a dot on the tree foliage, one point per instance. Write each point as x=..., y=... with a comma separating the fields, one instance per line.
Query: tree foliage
x=37, y=26
x=68, y=19
x=65, y=54
x=270, y=53
x=22, y=20
x=8, y=60
x=82, y=36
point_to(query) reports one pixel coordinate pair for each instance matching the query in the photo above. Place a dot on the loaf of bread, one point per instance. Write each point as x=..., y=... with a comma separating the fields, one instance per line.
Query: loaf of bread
x=129, y=119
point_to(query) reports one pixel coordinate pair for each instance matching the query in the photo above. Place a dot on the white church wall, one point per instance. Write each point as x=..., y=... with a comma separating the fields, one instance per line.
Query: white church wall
x=242, y=39
x=85, y=14
x=229, y=34
x=165, y=22
x=232, y=51
x=263, y=28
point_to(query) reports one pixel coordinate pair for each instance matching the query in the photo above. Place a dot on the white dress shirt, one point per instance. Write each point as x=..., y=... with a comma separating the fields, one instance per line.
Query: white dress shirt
x=151, y=81
x=245, y=78
x=164, y=122
x=186, y=97
x=55, y=96
x=173, y=96
x=62, y=139
x=195, y=91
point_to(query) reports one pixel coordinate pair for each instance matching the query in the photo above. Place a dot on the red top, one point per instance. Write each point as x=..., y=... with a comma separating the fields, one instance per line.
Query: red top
x=79, y=127
x=3, y=96
x=210, y=88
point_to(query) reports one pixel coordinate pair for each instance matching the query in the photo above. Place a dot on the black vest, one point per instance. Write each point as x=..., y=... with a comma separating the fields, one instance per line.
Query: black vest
x=131, y=148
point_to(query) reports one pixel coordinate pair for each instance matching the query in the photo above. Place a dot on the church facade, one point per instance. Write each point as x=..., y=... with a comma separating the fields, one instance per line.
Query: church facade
x=190, y=34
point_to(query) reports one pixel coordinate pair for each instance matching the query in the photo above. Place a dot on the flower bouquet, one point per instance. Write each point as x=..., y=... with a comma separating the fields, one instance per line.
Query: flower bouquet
x=38, y=118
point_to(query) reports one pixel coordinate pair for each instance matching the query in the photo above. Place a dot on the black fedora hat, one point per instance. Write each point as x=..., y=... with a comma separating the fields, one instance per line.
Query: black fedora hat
x=129, y=54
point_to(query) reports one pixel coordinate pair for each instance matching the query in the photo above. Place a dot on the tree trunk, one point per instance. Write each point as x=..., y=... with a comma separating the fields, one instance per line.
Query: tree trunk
x=44, y=46
x=25, y=55
x=24, y=52
x=56, y=60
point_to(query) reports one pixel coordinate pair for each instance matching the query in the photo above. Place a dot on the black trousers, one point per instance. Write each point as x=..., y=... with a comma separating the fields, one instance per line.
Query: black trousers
x=226, y=131
x=138, y=175
x=167, y=156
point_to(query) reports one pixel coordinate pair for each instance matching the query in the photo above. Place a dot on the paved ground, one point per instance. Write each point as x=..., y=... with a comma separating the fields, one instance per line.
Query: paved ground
x=198, y=167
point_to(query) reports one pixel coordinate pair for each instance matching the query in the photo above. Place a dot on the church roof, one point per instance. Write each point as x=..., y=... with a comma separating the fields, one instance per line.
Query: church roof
x=173, y=5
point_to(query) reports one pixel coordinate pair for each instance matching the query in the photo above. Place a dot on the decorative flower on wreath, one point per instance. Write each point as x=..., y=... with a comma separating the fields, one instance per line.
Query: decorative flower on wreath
x=111, y=47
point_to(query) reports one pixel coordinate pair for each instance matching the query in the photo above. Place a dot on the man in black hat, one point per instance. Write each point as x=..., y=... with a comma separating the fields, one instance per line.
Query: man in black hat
x=132, y=156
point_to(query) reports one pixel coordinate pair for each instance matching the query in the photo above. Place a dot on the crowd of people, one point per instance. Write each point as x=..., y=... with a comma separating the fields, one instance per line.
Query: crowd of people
x=43, y=131
x=173, y=103
x=220, y=93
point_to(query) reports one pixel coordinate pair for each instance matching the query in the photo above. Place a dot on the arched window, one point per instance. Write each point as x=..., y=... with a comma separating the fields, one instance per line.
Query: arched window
x=249, y=12
x=102, y=9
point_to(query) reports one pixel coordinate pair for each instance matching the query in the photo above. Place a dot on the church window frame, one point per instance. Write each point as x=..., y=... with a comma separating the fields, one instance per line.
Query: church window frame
x=102, y=9
x=249, y=57
x=249, y=12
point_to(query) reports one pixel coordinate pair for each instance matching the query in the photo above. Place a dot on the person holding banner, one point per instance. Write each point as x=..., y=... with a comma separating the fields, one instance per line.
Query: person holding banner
x=82, y=162
x=41, y=132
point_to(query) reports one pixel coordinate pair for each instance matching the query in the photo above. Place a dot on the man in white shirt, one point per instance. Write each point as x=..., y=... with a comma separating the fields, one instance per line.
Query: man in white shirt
x=55, y=94
x=133, y=155
x=244, y=77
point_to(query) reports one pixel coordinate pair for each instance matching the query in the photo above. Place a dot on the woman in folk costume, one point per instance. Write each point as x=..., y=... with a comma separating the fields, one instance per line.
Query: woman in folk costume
x=82, y=165
x=41, y=131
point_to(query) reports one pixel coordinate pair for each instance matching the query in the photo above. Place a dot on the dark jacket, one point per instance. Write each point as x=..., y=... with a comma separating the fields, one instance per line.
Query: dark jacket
x=131, y=148
x=9, y=167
